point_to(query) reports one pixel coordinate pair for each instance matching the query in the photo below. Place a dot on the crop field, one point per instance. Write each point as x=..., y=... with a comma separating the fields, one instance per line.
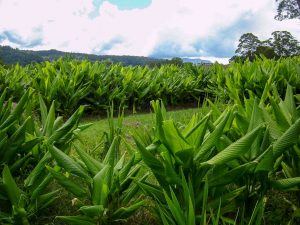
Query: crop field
x=234, y=158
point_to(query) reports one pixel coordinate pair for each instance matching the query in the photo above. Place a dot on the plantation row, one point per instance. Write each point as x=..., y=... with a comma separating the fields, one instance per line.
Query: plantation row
x=220, y=168
x=97, y=85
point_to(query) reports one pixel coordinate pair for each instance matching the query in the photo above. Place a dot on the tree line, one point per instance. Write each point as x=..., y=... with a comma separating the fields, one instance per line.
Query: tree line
x=280, y=44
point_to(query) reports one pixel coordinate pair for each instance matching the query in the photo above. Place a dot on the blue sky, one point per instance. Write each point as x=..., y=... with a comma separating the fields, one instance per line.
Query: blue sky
x=157, y=28
x=121, y=4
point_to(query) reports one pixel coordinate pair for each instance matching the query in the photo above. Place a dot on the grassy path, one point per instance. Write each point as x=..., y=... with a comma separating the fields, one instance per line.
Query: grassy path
x=91, y=137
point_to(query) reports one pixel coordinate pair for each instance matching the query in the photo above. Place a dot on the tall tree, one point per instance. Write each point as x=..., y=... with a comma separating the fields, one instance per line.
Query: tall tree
x=248, y=44
x=266, y=51
x=284, y=44
x=288, y=9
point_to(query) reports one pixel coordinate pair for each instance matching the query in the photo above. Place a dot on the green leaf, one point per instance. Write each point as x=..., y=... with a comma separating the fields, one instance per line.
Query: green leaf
x=153, y=190
x=204, y=202
x=258, y=211
x=92, y=210
x=77, y=220
x=70, y=186
x=175, y=142
x=2, y=99
x=68, y=163
x=124, y=171
x=289, y=102
x=235, y=150
x=175, y=208
x=228, y=177
x=111, y=153
x=279, y=115
x=37, y=171
x=68, y=126
x=92, y=164
x=266, y=161
x=275, y=131
x=152, y=162
x=134, y=189
x=46, y=199
x=101, y=186
x=41, y=187
x=212, y=139
x=288, y=139
x=12, y=190
x=287, y=183
x=43, y=109
x=125, y=212
x=49, y=123
x=194, y=134
x=17, y=111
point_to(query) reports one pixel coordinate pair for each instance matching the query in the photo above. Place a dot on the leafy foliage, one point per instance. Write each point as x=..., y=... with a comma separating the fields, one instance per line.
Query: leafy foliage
x=217, y=168
x=281, y=44
x=288, y=9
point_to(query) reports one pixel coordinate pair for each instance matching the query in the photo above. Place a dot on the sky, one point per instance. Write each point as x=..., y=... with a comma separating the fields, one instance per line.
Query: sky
x=156, y=28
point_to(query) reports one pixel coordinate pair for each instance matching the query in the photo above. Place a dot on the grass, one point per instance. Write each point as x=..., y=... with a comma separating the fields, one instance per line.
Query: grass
x=92, y=136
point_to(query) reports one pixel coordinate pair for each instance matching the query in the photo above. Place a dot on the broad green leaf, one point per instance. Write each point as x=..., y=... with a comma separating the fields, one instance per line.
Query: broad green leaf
x=279, y=115
x=274, y=130
x=152, y=162
x=228, y=177
x=17, y=111
x=68, y=163
x=175, y=142
x=153, y=190
x=69, y=185
x=37, y=171
x=235, y=150
x=92, y=210
x=77, y=220
x=43, y=109
x=266, y=161
x=49, y=123
x=92, y=164
x=125, y=212
x=287, y=139
x=101, y=186
x=124, y=171
x=287, y=183
x=212, y=138
x=111, y=153
x=2, y=99
x=12, y=190
x=195, y=133
x=290, y=104
x=67, y=127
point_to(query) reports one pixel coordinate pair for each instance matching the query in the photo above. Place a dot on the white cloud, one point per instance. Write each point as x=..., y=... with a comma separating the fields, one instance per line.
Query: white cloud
x=66, y=25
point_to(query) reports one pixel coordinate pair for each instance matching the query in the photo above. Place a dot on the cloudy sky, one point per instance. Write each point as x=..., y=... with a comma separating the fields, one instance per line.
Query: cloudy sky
x=157, y=28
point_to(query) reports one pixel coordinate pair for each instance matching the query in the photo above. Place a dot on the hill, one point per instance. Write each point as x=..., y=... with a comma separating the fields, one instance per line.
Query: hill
x=10, y=56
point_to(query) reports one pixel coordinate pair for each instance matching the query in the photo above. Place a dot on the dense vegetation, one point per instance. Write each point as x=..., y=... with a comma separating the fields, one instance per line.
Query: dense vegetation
x=281, y=44
x=97, y=85
x=219, y=168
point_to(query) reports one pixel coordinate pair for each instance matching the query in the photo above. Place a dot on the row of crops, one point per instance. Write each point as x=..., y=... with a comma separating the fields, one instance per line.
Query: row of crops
x=219, y=168
x=97, y=85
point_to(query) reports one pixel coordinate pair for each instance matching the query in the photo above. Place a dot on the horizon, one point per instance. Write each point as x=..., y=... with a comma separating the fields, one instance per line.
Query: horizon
x=191, y=28
x=210, y=59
